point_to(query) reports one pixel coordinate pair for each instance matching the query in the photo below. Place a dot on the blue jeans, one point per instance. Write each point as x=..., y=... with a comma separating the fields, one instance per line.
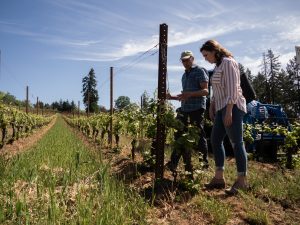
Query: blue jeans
x=235, y=134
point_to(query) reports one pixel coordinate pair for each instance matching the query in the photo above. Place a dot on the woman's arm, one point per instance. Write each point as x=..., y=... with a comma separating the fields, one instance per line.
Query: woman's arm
x=232, y=84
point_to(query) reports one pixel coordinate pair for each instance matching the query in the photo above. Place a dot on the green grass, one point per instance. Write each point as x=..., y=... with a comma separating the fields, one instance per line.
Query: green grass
x=281, y=186
x=218, y=211
x=256, y=210
x=59, y=181
x=272, y=190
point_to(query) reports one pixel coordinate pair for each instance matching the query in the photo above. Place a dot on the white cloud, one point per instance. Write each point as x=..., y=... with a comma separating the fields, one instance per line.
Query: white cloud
x=285, y=58
x=13, y=28
x=252, y=63
x=290, y=35
x=175, y=68
x=233, y=43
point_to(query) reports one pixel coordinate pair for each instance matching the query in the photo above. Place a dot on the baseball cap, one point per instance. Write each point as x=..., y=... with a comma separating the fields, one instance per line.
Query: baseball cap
x=186, y=55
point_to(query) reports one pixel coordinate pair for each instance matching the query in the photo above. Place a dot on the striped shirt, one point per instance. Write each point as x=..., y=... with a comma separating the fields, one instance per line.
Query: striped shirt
x=226, y=85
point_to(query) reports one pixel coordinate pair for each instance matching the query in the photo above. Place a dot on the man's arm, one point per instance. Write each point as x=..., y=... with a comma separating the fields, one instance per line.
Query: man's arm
x=203, y=92
x=171, y=97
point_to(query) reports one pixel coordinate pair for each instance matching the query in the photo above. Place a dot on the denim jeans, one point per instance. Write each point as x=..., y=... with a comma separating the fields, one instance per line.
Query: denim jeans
x=196, y=118
x=235, y=134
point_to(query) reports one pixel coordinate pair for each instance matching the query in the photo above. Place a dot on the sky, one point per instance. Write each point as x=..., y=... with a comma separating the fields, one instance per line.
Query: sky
x=50, y=45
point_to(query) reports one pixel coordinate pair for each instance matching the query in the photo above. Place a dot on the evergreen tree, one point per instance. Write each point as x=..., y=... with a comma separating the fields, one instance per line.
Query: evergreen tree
x=73, y=106
x=266, y=94
x=293, y=70
x=249, y=75
x=89, y=92
x=270, y=69
x=259, y=85
x=274, y=68
x=283, y=92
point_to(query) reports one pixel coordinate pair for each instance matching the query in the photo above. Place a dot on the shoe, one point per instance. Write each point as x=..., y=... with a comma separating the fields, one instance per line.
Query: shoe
x=170, y=166
x=215, y=184
x=236, y=187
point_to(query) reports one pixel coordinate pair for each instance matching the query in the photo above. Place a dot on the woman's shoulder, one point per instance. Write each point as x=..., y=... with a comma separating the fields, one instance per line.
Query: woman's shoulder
x=228, y=61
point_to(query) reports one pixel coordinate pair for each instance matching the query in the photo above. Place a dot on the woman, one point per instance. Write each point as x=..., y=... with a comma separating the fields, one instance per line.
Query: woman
x=227, y=108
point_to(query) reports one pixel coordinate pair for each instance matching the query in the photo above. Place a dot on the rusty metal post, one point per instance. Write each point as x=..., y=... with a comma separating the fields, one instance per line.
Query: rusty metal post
x=27, y=101
x=162, y=76
x=110, y=138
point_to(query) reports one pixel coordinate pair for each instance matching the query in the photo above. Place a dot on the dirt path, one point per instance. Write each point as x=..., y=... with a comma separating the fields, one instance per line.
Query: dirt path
x=18, y=146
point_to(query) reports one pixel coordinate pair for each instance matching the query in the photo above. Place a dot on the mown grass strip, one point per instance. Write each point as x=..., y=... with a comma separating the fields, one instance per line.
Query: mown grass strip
x=59, y=181
x=219, y=211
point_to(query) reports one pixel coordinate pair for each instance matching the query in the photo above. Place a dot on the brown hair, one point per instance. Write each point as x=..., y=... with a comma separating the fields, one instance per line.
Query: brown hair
x=220, y=51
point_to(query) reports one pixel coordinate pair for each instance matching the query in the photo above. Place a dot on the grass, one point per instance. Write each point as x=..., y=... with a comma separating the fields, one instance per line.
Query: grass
x=273, y=190
x=59, y=181
x=256, y=210
x=279, y=185
x=219, y=212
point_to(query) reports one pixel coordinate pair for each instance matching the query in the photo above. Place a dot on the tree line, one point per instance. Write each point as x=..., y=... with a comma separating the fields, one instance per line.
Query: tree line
x=61, y=105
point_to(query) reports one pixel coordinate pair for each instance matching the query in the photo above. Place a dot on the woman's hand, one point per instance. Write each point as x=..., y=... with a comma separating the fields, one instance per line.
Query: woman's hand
x=228, y=115
x=212, y=111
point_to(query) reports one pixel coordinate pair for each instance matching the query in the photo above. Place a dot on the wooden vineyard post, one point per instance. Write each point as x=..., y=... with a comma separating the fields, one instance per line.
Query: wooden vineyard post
x=162, y=75
x=110, y=138
x=37, y=105
x=27, y=101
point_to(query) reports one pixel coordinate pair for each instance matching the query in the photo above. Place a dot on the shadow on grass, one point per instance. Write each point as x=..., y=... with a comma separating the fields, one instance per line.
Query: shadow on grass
x=141, y=177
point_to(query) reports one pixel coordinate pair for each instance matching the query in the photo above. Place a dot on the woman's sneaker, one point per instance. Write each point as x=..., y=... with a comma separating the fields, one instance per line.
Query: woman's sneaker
x=236, y=187
x=215, y=184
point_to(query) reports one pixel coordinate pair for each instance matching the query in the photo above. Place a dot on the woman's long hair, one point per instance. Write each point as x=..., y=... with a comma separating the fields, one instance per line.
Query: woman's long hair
x=220, y=51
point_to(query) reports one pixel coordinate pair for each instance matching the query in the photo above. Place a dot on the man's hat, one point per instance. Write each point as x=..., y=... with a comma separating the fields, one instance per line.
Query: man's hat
x=186, y=55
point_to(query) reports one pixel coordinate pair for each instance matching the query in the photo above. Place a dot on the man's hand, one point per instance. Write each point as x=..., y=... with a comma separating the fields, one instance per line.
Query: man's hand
x=184, y=96
x=170, y=97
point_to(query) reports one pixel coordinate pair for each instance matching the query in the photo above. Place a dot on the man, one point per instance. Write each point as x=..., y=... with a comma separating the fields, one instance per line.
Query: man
x=193, y=104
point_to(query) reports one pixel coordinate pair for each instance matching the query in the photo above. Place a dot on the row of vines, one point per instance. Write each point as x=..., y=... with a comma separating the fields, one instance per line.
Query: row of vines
x=138, y=124
x=15, y=124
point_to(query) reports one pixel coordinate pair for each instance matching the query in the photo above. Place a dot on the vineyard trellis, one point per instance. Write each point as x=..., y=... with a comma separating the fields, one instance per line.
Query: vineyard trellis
x=19, y=122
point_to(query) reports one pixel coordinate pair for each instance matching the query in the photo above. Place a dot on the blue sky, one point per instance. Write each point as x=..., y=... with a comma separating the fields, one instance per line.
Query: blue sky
x=50, y=45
